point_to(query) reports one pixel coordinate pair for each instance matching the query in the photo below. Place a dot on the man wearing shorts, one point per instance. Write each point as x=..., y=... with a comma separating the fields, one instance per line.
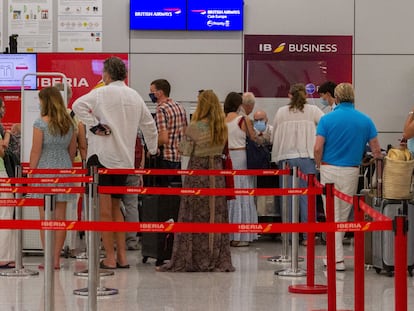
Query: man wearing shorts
x=112, y=114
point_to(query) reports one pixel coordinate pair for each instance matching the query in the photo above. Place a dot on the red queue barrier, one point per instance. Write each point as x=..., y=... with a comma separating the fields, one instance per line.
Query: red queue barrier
x=400, y=222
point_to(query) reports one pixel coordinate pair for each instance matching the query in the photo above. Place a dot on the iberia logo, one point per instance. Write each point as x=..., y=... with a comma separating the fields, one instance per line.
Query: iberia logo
x=267, y=228
x=169, y=227
x=366, y=226
x=280, y=48
x=70, y=226
x=69, y=190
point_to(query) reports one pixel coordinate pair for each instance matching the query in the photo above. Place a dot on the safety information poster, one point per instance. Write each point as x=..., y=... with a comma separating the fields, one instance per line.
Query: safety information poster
x=32, y=22
x=80, y=26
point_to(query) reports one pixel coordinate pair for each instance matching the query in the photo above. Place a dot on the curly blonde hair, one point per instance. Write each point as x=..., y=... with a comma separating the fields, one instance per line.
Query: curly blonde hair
x=209, y=108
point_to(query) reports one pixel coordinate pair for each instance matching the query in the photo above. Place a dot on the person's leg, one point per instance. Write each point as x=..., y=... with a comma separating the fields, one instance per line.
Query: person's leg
x=347, y=183
x=119, y=236
x=60, y=235
x=130, y=202
x=306, y=166
x=105, y=211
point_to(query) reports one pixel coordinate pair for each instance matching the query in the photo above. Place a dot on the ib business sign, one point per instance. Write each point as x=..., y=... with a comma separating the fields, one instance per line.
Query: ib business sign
x=272, y=63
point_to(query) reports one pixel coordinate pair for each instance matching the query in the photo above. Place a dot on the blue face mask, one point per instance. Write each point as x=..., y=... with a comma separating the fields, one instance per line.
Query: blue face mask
x=324, y=102
x=153, y=97
x=260, y=125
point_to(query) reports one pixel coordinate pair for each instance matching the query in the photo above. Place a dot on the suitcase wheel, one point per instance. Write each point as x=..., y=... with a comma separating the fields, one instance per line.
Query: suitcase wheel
x=410, y=272
x=144, y=259
x=378, y=270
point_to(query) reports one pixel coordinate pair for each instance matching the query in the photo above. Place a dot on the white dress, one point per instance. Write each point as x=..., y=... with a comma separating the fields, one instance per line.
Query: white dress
x=243, y=208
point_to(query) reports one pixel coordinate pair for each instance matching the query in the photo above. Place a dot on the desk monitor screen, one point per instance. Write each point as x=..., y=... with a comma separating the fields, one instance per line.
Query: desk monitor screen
x=12, y=69
x=221, y=15
x=157, y=14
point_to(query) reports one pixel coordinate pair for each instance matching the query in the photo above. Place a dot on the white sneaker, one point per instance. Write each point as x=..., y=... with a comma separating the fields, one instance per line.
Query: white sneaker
x=340, y=266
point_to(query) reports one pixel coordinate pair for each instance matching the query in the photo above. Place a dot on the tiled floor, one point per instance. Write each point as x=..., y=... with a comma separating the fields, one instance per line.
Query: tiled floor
x=252, y=287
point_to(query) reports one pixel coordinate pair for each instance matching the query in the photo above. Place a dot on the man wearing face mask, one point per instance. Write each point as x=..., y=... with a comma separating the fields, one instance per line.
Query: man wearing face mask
x=326, y=94
x=262, y=128
x=171, y=120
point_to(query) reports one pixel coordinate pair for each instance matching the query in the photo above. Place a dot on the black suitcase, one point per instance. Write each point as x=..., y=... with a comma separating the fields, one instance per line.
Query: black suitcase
x=158, y=208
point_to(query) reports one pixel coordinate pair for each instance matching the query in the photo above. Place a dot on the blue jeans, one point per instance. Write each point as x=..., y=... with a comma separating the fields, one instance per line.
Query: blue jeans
x=306, y=166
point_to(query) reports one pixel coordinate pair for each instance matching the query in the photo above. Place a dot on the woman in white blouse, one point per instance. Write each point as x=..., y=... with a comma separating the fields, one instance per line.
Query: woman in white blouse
x=294, y=130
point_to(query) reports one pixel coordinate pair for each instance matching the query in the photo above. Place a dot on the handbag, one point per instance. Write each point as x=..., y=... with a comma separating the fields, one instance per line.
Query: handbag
x=258, y=156
x=228, y=165
x=10, y=162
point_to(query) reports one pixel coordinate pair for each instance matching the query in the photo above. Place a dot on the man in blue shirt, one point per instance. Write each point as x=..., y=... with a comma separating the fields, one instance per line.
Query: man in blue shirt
x=341, y=137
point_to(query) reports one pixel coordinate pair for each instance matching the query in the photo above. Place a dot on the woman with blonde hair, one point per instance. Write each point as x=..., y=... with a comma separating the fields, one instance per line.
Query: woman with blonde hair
x=54, y=146
x=204, y=142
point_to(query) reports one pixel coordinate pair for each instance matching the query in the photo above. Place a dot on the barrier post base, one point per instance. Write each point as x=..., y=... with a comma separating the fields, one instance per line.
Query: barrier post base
x=19, y=272
x=101, y=291
x=305, y=289
x=102, y=272
x=283, y=259
x=291, y=272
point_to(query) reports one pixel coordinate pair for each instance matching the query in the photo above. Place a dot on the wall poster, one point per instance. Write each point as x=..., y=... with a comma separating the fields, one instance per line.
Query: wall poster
x=32, y=21
x=80, y=26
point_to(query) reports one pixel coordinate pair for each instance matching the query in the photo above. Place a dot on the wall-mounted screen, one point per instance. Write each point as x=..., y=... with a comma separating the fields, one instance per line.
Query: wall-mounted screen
x=158, y=14
x=223, y=15
x=12, y=69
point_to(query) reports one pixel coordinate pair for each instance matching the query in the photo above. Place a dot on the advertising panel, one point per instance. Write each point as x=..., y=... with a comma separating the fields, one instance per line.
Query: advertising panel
x=158, y=15
x=272, y=62
x=226, y=15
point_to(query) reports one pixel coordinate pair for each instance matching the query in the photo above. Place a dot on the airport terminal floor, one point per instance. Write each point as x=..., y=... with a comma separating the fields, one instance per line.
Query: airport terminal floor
x=253, y=286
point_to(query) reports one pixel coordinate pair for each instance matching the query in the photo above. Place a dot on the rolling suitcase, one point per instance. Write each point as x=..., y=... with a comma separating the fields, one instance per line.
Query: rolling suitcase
x=383, y=241
x=158, y=208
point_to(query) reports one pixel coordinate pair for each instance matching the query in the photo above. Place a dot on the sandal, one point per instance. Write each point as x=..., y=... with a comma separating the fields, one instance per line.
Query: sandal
x=102, y=265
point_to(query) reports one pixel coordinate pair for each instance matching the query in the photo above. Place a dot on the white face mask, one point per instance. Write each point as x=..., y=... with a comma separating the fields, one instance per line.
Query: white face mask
x=260, y=125
x=324, y=102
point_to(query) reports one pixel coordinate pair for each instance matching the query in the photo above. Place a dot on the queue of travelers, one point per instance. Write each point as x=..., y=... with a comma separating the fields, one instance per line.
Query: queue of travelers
x=120, y=132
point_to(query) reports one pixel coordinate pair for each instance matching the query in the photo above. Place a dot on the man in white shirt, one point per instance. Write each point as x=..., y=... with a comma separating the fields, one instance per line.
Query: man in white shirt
x=112, y=114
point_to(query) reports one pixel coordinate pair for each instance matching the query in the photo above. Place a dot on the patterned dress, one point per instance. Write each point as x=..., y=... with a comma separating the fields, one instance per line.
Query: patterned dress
x=55, y=154
x=202, y=252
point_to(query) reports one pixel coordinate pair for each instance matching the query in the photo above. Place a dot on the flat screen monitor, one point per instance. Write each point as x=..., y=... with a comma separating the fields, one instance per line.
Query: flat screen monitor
x=12, y=69
x=158, y=15
x=216, y=15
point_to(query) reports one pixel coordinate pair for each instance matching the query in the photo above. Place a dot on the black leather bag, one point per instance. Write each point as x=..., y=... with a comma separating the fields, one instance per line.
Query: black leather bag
x=11, y=161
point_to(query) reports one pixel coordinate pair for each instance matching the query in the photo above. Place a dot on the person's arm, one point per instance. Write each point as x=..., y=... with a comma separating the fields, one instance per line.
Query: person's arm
x=82, y=143
x=36, y=150
x=318, y=150
x=72, y=146
x=162, y=138
x=6, y=138
x=408, y=131
x=149, y=131
x=83, y=108
x=247, y=126
x=375, y=148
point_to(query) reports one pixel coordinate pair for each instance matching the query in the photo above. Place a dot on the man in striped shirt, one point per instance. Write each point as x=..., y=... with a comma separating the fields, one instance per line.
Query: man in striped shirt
x=171, y=123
